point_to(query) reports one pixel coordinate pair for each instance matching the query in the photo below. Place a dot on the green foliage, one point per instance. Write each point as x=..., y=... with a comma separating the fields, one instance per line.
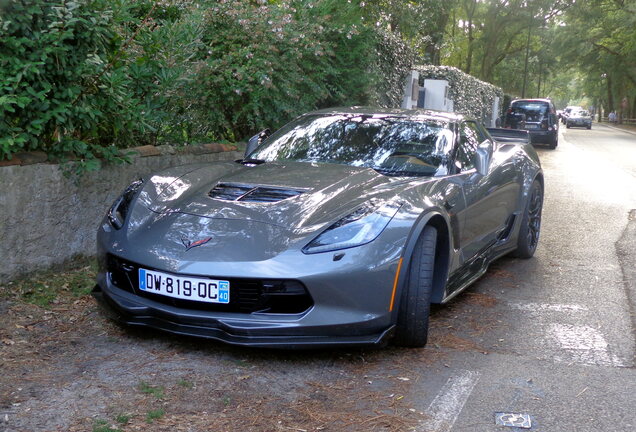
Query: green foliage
x=154, y=415
x=598, y=40
x=47, y=288
x=261, y=65
x=123, y=419
x=56, y=90
x=156, y=391
x=83, y=79
x=101, y=425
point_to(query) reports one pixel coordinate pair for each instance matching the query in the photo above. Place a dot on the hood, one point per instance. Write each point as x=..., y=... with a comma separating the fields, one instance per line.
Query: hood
x=291, y=195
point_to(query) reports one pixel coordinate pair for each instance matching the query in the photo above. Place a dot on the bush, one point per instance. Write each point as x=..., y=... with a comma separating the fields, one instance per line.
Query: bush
x=85, y=78
x=263, y=65
x=72, y=83
x=53, y=55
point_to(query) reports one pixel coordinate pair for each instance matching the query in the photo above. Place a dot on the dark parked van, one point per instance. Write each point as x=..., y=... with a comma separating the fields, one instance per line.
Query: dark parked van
x=538, y=117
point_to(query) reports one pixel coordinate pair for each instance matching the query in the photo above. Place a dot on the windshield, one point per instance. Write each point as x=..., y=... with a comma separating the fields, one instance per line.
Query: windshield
x=533, y=111
x=391, y=145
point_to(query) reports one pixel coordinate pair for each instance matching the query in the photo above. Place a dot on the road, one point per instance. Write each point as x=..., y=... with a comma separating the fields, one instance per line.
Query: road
x=551, y=338
x=562, y=345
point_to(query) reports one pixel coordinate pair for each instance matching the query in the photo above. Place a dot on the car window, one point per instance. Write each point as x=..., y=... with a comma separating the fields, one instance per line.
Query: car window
x=470, y=137
x=393, y=145
x=533, y=111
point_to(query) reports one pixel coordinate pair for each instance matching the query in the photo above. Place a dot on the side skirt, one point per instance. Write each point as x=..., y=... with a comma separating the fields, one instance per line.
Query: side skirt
x=474, y=269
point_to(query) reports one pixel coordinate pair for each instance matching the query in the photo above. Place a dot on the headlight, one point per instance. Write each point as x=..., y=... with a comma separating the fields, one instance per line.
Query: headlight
x=119, y=210
x=357, y=228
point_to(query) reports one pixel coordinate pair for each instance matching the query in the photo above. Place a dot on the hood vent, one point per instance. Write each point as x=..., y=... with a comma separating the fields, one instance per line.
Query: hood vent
x=250, y=193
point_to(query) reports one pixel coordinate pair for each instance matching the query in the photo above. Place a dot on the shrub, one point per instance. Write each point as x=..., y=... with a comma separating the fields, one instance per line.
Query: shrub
x=261, y=65
x=72, y=83
x=85, y=78
x=53, y=56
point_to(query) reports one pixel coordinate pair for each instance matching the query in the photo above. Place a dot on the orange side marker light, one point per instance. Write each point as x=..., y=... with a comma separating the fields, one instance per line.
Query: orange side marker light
x=395, y=282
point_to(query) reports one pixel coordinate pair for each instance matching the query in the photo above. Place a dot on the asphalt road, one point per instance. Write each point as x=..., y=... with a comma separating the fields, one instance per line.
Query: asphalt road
x=561, y=347
x=551, y=338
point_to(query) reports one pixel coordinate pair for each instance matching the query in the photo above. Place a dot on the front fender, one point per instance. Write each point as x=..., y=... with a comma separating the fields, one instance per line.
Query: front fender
x=440, y=220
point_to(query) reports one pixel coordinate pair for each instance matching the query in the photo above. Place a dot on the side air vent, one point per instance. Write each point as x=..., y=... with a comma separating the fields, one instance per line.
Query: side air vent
x=250, y=193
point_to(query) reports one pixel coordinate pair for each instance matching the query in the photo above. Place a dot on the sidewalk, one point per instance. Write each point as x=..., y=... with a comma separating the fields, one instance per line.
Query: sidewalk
x=626, y=128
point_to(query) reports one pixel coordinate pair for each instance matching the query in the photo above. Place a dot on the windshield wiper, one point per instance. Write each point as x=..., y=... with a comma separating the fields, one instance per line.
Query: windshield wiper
x=401, y=173
x=249, y=161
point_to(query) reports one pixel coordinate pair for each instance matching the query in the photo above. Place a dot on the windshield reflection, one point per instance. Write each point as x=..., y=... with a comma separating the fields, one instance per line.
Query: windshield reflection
x=391, y=145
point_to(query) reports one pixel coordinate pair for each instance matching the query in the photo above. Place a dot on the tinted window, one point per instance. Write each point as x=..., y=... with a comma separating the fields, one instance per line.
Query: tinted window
x=390, y=144
x=534, y=111
x=470, y=137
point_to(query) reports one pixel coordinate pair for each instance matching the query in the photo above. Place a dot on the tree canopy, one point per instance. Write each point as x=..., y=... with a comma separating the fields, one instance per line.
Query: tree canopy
x=84, y=78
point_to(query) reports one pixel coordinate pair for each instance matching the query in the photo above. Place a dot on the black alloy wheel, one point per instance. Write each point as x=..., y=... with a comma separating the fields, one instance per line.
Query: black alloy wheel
x=530, y=223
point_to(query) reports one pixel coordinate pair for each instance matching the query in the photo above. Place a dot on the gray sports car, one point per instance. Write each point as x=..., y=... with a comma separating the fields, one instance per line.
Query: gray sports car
x=340, y=228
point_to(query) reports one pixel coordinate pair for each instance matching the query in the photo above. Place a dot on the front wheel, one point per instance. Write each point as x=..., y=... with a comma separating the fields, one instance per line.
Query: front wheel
x=530, y=223
x=415, y=302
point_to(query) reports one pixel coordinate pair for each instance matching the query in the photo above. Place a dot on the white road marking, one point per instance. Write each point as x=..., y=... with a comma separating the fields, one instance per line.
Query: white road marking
x=541, y=307
x=585, y=345
x=449, y=402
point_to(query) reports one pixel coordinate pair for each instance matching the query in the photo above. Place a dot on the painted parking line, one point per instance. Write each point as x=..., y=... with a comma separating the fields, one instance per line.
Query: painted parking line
x=584, y=344
x=449, y=402
x=550, y=307
x=572, y=343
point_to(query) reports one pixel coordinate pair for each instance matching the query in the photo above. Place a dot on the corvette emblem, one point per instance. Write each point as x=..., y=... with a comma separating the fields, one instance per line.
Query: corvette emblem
x=190, y=244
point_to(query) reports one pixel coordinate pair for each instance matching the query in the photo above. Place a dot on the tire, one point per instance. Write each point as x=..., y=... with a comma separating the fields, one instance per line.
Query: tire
x=567, y=125
x=415, y=301
x=589, y=127
x=530, y=223
x=554, y=143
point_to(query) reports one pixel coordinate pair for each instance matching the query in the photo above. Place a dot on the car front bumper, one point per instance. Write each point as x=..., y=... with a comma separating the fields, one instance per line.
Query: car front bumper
x=265, y=331
x=349, y=302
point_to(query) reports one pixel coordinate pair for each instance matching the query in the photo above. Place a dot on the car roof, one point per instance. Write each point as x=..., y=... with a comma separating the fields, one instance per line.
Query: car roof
x=548, y=101
x=420, y=114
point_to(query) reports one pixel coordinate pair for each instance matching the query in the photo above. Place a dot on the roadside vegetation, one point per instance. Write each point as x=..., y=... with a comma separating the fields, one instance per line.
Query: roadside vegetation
x=84, y=79
x=47, y=289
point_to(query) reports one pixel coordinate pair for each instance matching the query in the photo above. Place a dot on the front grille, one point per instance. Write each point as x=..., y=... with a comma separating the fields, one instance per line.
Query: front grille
x=250, y=193
x=246, y=295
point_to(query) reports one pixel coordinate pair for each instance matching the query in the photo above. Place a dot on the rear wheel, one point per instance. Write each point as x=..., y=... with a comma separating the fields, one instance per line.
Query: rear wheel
x=530, y=223
x=415, y=302
x=553, y=143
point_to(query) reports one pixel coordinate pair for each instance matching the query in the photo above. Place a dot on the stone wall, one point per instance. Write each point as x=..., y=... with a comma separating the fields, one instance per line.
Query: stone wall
x=47, y=219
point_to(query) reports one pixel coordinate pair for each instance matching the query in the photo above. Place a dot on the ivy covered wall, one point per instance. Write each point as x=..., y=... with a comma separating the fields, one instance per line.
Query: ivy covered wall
x=470, y=96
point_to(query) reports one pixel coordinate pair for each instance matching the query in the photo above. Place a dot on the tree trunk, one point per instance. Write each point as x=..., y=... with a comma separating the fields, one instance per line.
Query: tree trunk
x=470, y=14
x=610, y=96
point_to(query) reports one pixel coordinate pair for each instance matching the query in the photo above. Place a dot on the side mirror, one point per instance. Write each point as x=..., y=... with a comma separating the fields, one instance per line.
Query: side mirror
x=484, y=156
x=255, y=141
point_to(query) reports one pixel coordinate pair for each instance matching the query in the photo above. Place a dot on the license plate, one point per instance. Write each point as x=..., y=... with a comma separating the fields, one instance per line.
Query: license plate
x=183, y=287
x=532, y=126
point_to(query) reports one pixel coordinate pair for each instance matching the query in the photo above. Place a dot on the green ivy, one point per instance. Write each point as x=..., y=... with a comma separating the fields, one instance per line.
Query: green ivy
x=470, y=95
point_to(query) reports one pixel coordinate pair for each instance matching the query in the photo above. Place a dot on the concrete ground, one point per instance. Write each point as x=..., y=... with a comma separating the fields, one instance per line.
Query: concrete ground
x=546, y=343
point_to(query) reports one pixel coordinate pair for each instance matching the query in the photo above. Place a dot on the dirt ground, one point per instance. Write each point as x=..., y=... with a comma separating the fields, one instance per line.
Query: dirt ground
x=66, y=367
